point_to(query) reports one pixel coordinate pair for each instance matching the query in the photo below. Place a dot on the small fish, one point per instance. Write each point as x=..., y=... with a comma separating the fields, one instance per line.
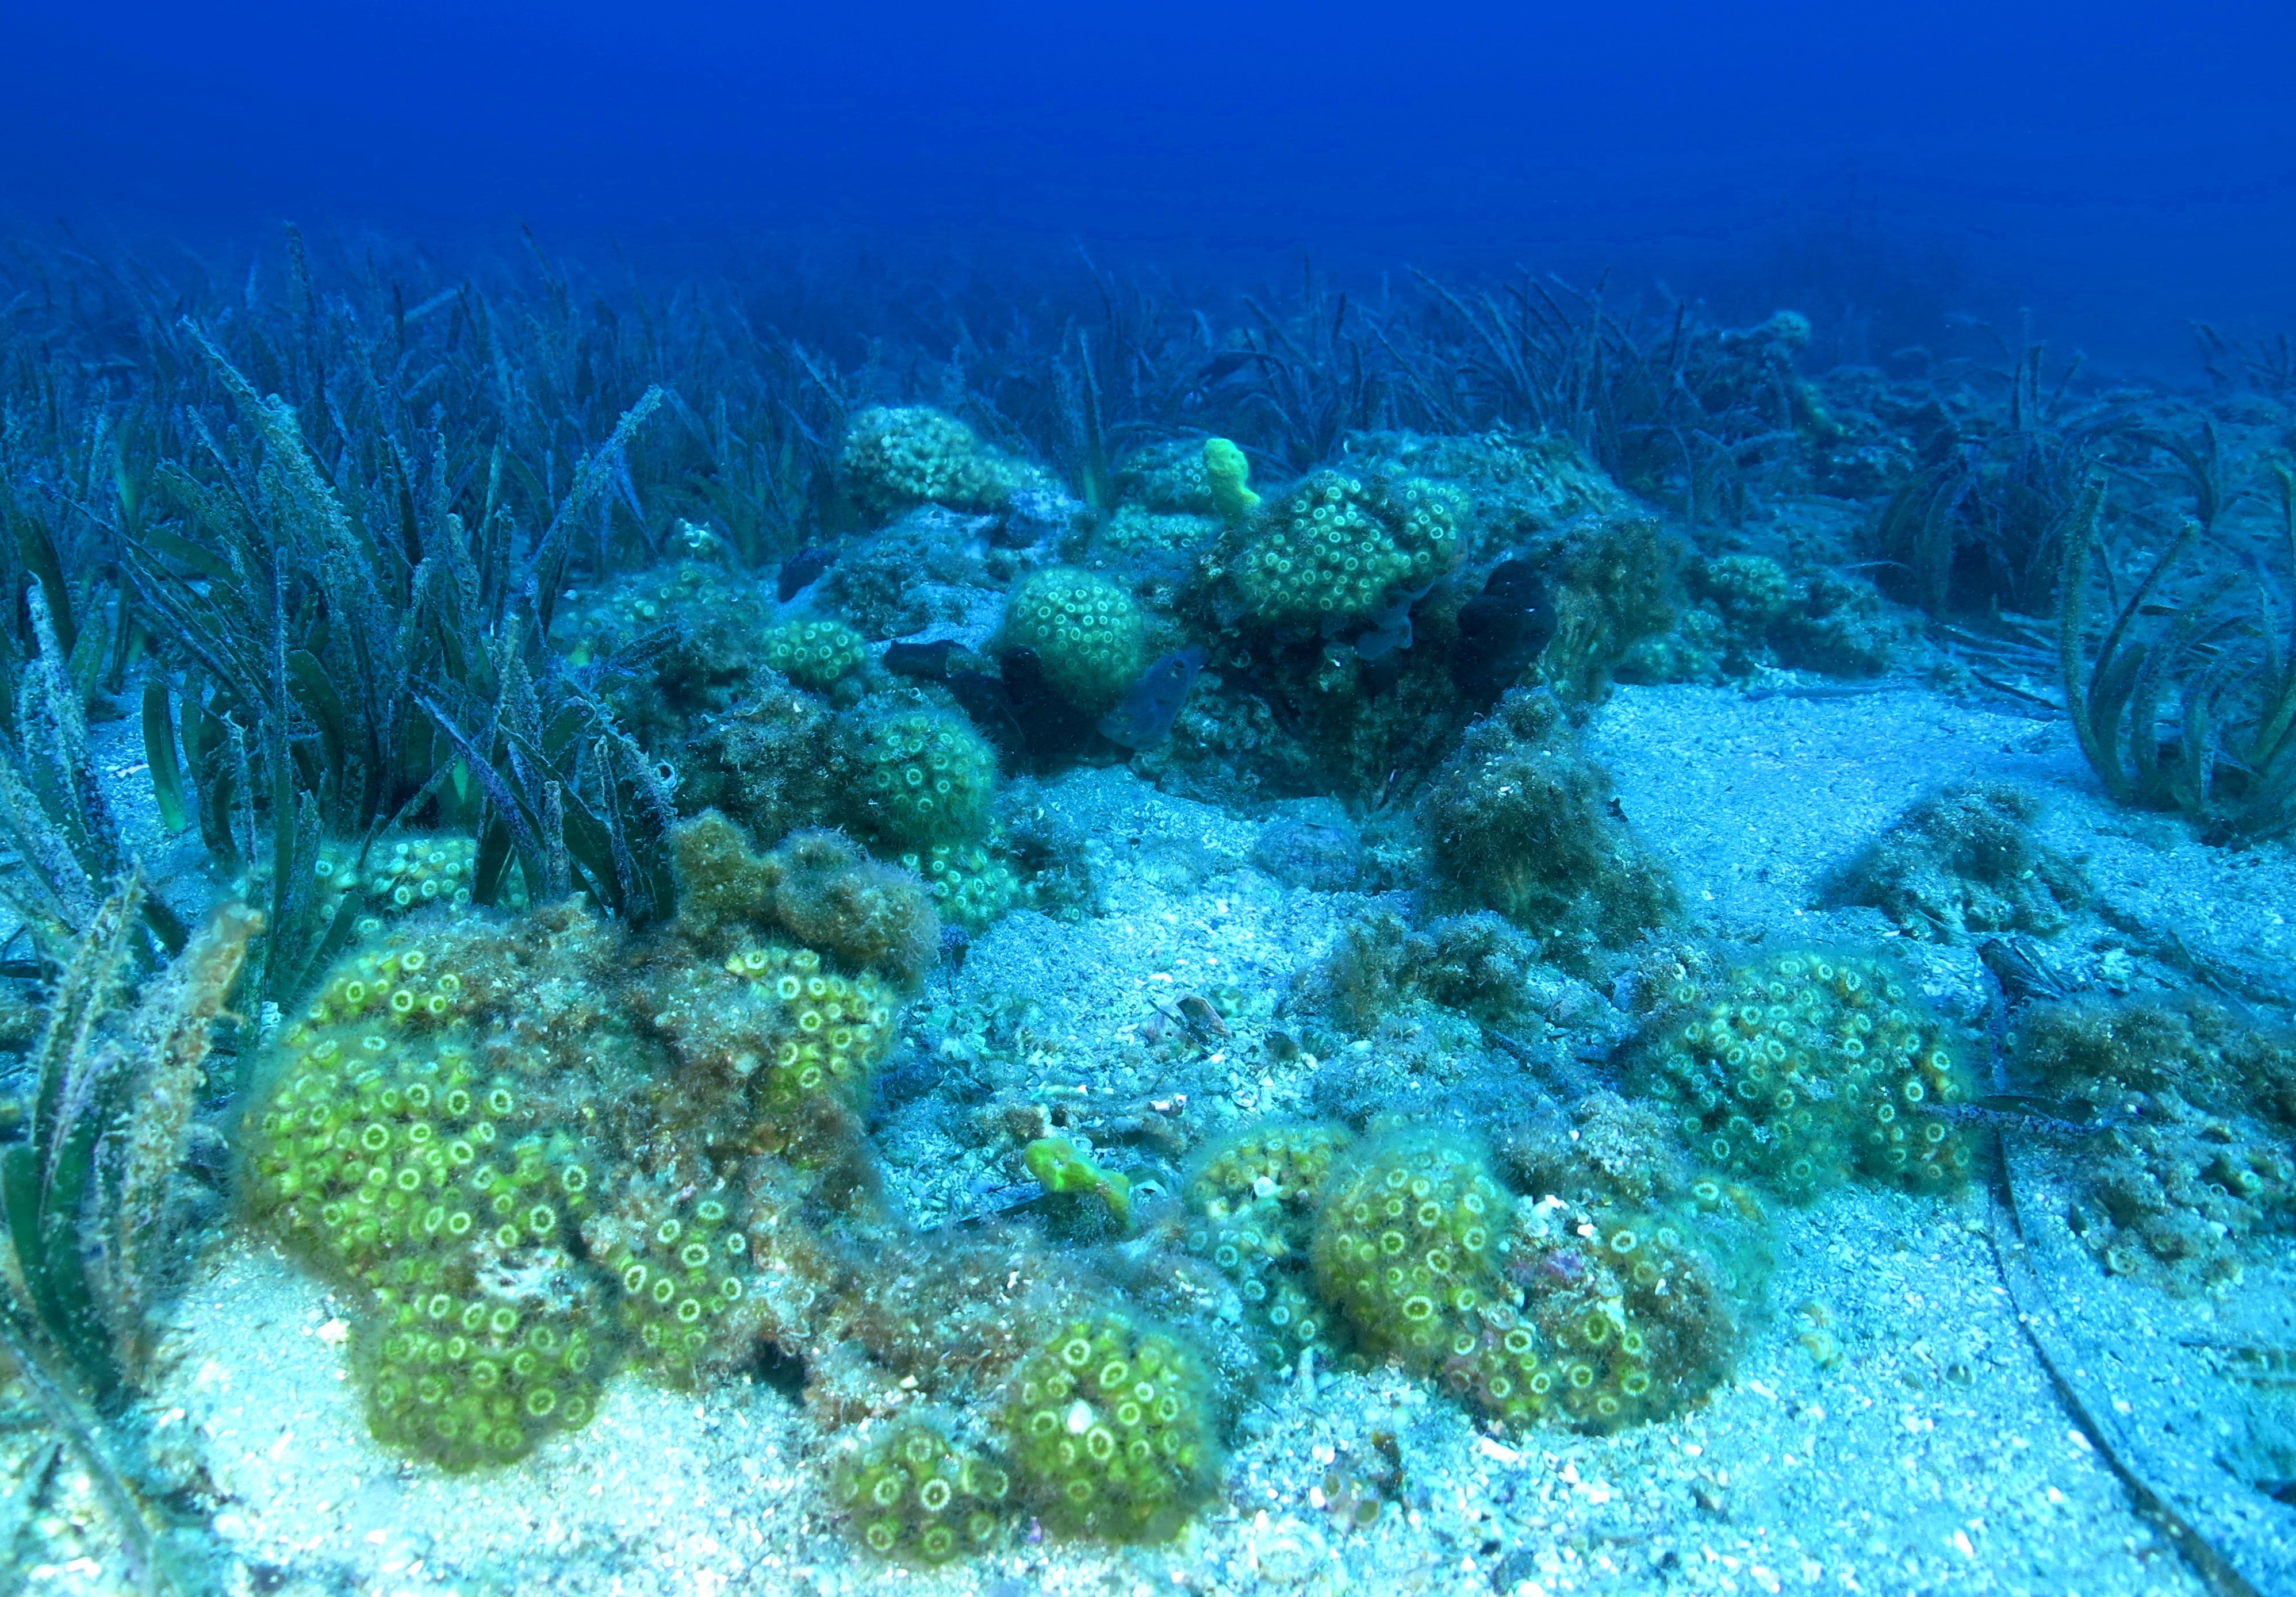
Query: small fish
x=2021, y=968
x=2011, y=1111
x=955, y=943
x=800, y=571
x=928, y=662
x=1143, y=718
x=1390, y=628
x=1224, y=366
x=991, y=1203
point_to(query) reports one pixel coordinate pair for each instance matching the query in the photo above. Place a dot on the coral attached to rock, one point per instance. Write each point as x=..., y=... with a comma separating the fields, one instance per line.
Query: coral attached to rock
x=816, y=654
x=382, y=1151
x=408, y=874
x=914, y=1497
x=1254, y=1196
x=818, y=887
x=919, y=777
x=1804, y=1069
x=684, y=1270
x=1408, y=1244
x=1088, y=632
x=1339, y=548
x=1110, y=1428
x=899, y=456
x=1636, y=1319
x=970, y=887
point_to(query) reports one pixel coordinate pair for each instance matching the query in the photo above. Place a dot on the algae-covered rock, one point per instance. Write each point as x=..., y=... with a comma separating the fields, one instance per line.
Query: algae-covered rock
x=1520, y=821
x=2195, y=1158
x=1964, y=862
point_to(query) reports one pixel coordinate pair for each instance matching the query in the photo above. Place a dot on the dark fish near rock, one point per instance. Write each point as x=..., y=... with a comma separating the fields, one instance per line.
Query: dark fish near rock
x=1143, y=718
x=800, y=572
x=1501, y=631
x=928, y=662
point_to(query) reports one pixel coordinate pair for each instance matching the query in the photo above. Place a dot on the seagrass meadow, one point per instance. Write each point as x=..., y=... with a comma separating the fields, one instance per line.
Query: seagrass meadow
x=820, y=931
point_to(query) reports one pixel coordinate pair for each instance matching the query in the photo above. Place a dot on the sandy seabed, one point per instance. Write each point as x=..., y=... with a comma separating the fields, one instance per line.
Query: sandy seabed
x=1892, y=1427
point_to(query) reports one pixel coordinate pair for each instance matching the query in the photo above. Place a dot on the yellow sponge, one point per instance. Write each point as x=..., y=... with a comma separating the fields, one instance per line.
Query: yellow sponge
x=1231, y=479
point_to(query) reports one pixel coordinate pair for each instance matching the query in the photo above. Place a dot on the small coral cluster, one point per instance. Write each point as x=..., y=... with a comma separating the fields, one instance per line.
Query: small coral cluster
x=1110, y=1425
x=1529, y=1313
x=914, y=1497
x=899, y=456
x=1747, y=612
x=386, y=1154
x=816, y=654
x=817, y=890
x=970, y=886
x=830, y=1031
x=672, y=645
x=413, y=872
x=1166, y=479
x=1408, y=1246
x=1633, y=1309
x=1088, y=632
x=921, y=777
x=680, y=1274
x=1339, y=547
x=1806, y=1067
x=1254, y=1196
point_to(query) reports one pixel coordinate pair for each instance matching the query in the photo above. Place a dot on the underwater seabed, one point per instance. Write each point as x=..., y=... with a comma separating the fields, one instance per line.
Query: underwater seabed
x=821, y=995
x=1935, y=1400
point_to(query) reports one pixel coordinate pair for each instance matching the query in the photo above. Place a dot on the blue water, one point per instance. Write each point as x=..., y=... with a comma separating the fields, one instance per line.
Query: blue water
x=2117, y=168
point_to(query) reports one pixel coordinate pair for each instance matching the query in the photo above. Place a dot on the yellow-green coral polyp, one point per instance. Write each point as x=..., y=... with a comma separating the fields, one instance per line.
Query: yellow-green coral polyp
x=1110, y=1429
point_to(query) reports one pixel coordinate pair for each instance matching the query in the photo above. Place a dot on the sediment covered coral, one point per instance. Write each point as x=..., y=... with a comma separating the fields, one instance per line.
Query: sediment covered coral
x=1806, y=1069
x=1166, y=479
x=675, y=645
